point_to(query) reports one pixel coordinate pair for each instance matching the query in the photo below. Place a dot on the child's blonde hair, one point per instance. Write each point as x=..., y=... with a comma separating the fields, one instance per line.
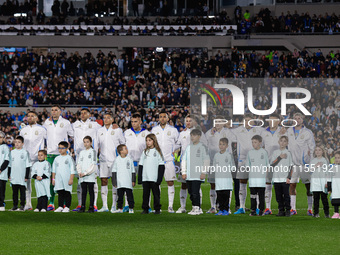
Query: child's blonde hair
x=324, y=152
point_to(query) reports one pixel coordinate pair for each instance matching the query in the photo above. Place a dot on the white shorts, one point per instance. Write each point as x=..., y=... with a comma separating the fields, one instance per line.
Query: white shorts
x=170, y=172
x=105, y=170
x=300, y=172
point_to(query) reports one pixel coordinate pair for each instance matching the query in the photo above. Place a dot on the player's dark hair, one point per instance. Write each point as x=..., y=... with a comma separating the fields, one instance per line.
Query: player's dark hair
x=136, y=116
x=277, y=116
x=247, y=115
x=284, y=137
x=257, y=137
x=155, y=143
x=64, y=144
x=43, y=151
x=120, y=147
x=337, y=153
x=85, y=109
x=56, y=105
x=88, y=138
x=163, y=111
x=19, y=137
x=196, y=132
x=36, y=114
x=224, y=140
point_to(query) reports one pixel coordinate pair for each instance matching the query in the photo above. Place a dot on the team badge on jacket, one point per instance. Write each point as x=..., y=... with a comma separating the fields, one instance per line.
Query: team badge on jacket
x=113, y=133
x=36, y=133
x=169, y=133
x=154, y=154
x=66, y=162
x=62, y=125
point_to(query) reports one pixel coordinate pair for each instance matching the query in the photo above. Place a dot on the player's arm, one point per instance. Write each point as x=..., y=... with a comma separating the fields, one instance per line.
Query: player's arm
x=161, y=169
x=140, y=169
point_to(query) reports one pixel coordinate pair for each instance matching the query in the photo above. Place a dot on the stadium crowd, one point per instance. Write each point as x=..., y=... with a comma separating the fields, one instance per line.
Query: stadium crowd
x=148, y=83
x=247, y=23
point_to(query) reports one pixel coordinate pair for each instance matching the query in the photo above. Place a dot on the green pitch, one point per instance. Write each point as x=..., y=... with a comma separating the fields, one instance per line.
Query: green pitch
x=103, y=233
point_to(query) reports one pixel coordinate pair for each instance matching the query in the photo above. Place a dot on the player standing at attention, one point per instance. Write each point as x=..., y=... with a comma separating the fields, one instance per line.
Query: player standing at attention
x=301, y=145
x=34, y=136
x=195, y=156
x=4, y=162
x=167, y=137
x=244, y=136
x=108, y=139
x=183, y=142
x=57, y=129
x=85, y=127
x=213, y=137
x=258, y=163
x=271, y=136
x=18, y=172
x=135, y=143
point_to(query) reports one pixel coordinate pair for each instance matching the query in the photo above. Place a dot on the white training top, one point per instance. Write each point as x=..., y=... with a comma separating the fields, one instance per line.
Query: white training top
x=282, y=169
x=300, y=144
x=20, y=160
x=34, y=139
x=4, y=155
x=244, y=144
x=223, y=179
x=82, y=129
x=63, y=167
x=108, y=140
x=124, y=168
x=57, y=133
x=150, y=162
x=42, y=187
x=271, y=140
x=167, y=139
x=257, y=160
x=135, y=142
x=86, y=164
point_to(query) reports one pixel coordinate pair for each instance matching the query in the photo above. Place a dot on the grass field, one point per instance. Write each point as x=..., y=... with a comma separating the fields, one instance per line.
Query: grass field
x=102, y=233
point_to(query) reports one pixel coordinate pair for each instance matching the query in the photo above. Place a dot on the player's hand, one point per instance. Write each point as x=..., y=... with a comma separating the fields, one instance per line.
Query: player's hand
x=213, y=130
x=202, y=177
x=9, y=178
x=184, y=176
x=115, y=186
x=326, y=185
x=26, y=180
x=70, y=182
x=308, y=153
x=319, y=164
x=288, y=181
x=283, y=131
x=283, y=155
x=133, y=184
x=53, y=182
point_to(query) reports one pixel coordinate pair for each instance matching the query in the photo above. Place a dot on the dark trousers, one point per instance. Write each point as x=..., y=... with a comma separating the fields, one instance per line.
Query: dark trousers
x=2, y=192
x=316, y=201
x=336, y=204
x=16, y=189
x=223, y=199
x=64, y=197
x=237, y=191
x=42, y=202
x=282, y=196
x=129, y=195
x=147, y=187
x=194, y=192
x=260, y=193
x=84, y=187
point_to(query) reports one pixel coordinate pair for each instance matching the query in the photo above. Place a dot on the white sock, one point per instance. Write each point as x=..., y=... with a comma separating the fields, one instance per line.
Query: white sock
x=95, y=193
x=150, y=201
x=213, y=198
x=126, y=201
x=257, y=202
x=104, y=191
x=201, y=196
x=268, y=195
x=114, y=196
x=79, y=193
x=171, y=195
x=293, y=202
x=183, y=198
x=243, y=195
x=231, y=195
x=310, y=202
x=29, y=193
